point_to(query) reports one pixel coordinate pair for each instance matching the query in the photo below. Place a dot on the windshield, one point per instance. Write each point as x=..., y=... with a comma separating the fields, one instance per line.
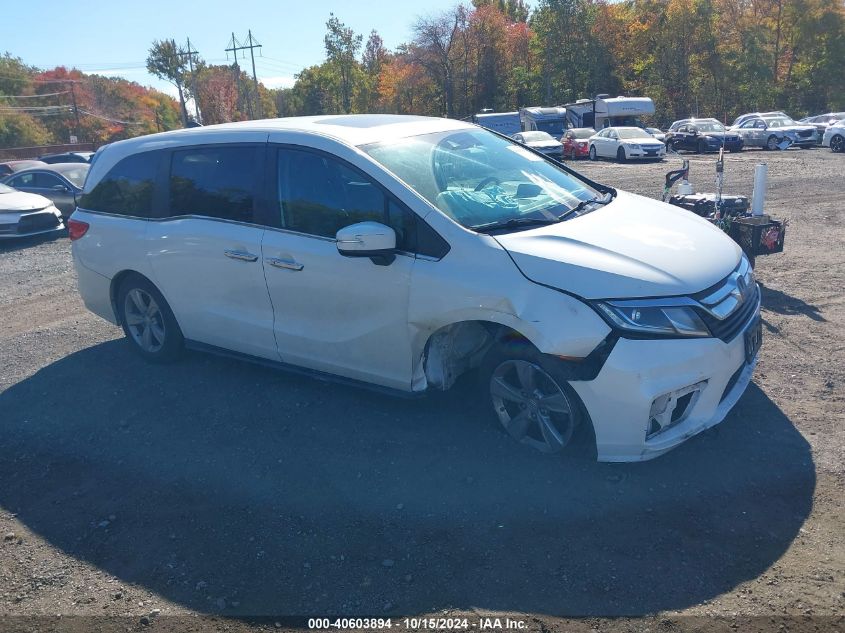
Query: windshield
x=555, y=128
x=478, y=178
x=710, y=126
x=6, y=189
x=76, y=175
x=583, y=133
x=628, y=132
x=530, y=137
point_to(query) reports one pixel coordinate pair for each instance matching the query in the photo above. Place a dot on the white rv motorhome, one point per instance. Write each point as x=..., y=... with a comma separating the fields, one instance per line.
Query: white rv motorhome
x=605, y=111
x=551, y=120
x=506, y=123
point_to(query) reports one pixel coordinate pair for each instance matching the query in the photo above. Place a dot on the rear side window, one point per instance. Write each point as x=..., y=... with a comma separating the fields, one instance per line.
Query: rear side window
x=127, y=189
x=218, y=182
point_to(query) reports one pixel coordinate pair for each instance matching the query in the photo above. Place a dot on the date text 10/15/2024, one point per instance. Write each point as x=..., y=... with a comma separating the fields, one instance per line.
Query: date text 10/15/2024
x=417, y=624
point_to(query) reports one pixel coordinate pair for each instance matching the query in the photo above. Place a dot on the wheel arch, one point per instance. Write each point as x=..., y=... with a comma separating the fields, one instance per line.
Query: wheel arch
x=118, y=281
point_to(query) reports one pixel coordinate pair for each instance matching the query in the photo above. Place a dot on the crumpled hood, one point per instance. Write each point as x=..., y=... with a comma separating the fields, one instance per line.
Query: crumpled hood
x=632, y=247
x=18, y=201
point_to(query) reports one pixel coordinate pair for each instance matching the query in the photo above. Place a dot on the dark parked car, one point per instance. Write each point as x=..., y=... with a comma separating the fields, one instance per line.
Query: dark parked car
x=11, y=166
x=702, y=135
x=67, y=157
x=61, y=183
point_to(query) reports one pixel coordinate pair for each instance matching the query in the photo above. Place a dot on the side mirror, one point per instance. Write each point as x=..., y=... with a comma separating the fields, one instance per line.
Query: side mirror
x=368, y=239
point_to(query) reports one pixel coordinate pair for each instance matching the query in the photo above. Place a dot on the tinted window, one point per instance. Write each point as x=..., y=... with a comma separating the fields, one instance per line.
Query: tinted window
x=217, y=182
x=127, y=189
x=319, y=196
x=46, y=181
x=24, y=180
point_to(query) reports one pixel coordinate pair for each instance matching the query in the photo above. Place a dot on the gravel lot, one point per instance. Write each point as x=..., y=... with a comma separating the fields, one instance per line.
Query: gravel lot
x=221, y=488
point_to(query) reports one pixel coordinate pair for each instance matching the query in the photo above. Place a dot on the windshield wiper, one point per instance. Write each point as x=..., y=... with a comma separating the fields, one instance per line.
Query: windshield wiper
x=513, y=223
x=584, y=204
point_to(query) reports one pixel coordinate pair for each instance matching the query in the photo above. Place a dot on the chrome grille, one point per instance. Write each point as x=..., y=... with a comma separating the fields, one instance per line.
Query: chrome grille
x=37, y=222
x=730, y=305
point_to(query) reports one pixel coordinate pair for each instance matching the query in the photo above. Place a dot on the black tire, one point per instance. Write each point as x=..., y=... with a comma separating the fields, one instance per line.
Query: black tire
x=162, y=325
x=772, y=143
x=620, y=155
x=837, y=144
x=573, y=429
x=593, y=154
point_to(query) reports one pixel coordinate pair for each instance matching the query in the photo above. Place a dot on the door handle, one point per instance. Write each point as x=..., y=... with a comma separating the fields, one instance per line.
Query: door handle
x=288, y=264
x=241, y=255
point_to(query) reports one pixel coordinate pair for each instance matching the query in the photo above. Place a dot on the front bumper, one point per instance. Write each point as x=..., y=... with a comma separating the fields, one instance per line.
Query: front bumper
x=731, y=146
x=638, y=372
x=650, y=153
x=29, y=224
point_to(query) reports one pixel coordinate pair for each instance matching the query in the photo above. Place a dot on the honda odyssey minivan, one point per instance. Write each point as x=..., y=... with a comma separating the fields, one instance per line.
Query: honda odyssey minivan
x=402, y=252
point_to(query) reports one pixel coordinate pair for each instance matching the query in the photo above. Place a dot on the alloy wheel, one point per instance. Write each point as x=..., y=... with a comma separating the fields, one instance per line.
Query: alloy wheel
x=144, y=320
x=837, y=144
x=531, y=406
x=772, y=143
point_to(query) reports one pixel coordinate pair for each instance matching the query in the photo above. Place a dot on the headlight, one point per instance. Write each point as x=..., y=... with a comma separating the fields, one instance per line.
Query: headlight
x=633, y=145
x=648, y=318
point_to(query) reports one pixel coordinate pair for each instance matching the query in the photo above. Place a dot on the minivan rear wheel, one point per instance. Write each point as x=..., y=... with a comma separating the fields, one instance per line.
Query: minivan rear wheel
x=148, y=321
x=530, y=398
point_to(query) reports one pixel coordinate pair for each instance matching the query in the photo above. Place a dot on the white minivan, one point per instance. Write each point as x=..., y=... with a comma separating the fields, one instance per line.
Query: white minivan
x=402, y=252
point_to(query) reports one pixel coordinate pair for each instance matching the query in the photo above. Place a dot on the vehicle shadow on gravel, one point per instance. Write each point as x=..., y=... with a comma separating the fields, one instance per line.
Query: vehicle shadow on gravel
x=233, y=489
x=782, y=303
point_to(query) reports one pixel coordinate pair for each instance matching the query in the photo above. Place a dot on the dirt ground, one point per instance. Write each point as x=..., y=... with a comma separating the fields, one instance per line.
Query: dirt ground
x=217, y=495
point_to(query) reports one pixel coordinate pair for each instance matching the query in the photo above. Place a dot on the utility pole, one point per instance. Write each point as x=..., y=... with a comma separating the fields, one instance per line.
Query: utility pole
x=190, y=55
x=75, y=109
x=252, y=44
x=254, y=77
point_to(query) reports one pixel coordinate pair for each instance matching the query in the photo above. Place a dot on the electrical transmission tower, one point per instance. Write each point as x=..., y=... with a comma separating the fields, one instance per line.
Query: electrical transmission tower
x=251, y=44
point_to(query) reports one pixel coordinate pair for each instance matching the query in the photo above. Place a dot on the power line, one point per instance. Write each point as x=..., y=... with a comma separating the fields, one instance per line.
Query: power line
x=48, y=94
x=105, y=118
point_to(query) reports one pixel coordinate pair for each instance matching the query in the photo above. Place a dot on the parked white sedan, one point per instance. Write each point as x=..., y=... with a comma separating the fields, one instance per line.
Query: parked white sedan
x=834, y=137
x=402, y=252
x=623, y=143
x=25, y=214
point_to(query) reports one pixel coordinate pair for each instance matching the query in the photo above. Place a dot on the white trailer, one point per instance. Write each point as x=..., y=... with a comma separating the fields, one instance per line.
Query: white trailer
x=506, y=123
x=605, y=111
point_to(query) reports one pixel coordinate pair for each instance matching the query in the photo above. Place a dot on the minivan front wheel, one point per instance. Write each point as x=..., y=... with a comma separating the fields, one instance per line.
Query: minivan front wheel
x=530, y=399
x=148, y=321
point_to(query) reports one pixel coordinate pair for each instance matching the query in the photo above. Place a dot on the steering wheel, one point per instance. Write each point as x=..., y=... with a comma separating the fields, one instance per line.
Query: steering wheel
x=490, y=180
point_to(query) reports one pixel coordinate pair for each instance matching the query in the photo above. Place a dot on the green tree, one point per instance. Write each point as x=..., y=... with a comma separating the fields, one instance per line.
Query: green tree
x=169, y=62
x=342, y=46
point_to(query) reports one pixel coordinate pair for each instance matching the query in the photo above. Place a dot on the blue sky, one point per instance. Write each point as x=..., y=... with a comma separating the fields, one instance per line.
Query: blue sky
x=113, y=38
